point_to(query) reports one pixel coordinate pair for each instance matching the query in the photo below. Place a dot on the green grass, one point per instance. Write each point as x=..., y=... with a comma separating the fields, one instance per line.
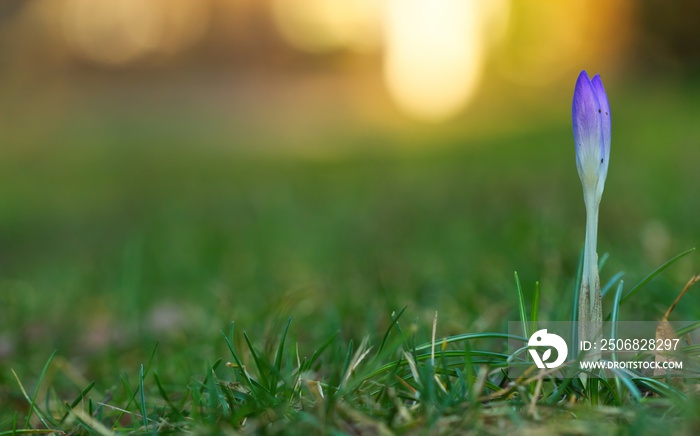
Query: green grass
x=124, y=261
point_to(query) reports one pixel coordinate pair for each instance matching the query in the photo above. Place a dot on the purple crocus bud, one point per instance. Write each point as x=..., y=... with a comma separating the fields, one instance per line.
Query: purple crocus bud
x=590, y=113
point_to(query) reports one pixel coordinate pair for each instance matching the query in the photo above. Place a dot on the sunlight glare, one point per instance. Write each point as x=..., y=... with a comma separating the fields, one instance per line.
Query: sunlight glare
x=434, y=53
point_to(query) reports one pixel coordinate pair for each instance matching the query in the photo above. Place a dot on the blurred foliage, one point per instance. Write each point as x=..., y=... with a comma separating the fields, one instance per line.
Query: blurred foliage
x=101, y=244
x=667, y=36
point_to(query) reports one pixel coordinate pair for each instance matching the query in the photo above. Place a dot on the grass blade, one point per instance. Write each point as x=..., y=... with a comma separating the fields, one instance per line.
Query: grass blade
x=521, y=306
x=614, y=315
x=472, y=336
x=653, y=274
x=261, y=369
x=603, y=259
x=394, y=321
x=243, y=374
x=661, y=388
x=574, y=302
x=469, y=374
x=217, y=399
x=687, y=329
x=165, y=397
x=346, y=365
x=143, y=398
x=77, y=401
x=534, y=313
x=278, y=358
x=32, y=402
x=150, y=359
x=318, y=352
x=611, y=283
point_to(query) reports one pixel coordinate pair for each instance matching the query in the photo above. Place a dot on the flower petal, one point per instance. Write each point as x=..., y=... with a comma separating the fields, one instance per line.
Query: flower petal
x=605, y=118
x=588, y=130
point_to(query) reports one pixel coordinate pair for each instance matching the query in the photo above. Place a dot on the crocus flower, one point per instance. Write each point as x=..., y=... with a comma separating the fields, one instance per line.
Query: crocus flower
x=590, y=113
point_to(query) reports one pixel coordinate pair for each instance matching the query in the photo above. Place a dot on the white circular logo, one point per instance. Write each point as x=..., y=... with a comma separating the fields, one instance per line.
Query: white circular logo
x=541, y=339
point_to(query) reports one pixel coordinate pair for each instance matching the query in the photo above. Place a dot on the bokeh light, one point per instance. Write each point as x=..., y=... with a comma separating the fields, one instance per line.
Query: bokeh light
x=319, y=26
x=549, y=40
x=435, y=52
x=123, y=31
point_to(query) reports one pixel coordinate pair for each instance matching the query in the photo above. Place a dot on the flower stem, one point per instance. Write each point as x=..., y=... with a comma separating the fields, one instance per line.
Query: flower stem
x=590, y=310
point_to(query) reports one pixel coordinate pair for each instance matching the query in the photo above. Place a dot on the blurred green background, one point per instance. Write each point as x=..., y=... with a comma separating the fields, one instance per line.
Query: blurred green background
x=169, y=166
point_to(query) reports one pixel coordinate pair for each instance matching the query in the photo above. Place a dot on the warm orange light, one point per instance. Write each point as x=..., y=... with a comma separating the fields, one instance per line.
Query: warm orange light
x=122, y=31
x=551, y=41
x=434, y=52
x=326, y=25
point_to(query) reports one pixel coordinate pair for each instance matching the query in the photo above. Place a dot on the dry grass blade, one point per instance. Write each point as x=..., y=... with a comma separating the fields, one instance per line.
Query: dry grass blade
x=359, y=356
x=664, y=330
x=94, y=425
